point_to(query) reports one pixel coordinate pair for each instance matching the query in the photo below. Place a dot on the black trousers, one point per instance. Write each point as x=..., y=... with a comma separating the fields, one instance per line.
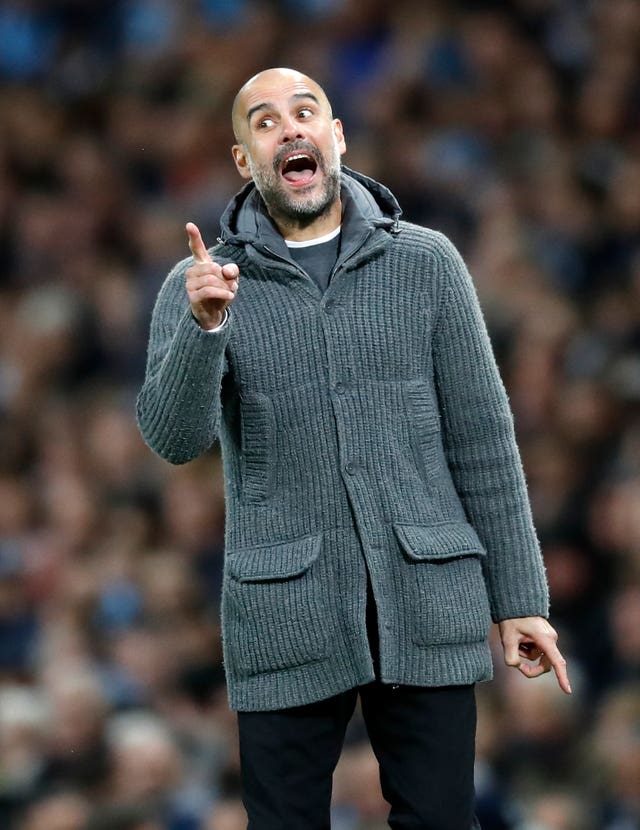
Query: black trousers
x=423, y=738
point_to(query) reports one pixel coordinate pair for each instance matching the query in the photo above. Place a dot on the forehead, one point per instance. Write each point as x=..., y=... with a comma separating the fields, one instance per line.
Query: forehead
x=277, y=91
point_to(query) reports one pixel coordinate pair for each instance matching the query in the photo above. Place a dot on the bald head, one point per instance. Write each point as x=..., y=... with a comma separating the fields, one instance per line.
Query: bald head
x=261, y=88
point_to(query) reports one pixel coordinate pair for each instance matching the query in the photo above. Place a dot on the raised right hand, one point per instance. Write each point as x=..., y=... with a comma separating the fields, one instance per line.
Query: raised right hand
x=210, y=287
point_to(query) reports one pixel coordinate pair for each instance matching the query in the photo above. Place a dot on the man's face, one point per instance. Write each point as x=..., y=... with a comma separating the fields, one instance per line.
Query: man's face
x=290, y=146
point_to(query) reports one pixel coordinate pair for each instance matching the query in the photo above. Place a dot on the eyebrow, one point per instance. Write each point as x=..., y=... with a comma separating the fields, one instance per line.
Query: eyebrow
x=265, y=105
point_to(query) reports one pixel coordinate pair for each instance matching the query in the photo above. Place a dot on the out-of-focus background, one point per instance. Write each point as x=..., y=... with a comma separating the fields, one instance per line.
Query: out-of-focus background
x=514, y=127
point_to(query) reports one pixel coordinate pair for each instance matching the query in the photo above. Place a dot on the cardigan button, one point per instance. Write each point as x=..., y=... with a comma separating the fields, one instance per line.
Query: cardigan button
x=352, y=468
x=340, y=387
x=330, y=306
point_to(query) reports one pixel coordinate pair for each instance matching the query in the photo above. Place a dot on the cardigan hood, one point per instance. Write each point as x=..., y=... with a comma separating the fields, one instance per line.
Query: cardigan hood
x=367, y=206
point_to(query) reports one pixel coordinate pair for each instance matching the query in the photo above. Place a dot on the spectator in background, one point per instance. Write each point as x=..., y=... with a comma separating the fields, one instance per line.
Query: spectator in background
x=121, y=817
x=147, y=768
x=615, y=763
x=75, y=750
x=558, y=811
x=227, y=815
x=65, y=810
x=24, y=721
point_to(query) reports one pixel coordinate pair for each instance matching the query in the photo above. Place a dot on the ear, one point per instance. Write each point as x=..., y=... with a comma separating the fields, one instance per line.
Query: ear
x=339, y=134
x=241, y=159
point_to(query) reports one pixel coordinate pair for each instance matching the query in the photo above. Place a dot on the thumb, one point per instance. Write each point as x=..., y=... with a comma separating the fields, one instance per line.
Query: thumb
x=511, y=651
x=196, y=245
x=230, y=271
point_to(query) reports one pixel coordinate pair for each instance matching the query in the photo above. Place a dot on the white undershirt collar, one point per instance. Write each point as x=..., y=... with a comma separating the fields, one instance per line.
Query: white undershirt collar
x=317, y=241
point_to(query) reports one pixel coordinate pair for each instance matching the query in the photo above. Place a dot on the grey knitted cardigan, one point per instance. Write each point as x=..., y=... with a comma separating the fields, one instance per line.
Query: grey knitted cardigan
x=363, y=429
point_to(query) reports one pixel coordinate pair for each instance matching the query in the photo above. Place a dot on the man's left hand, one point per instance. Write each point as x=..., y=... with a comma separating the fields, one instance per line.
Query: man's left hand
x=533, y=638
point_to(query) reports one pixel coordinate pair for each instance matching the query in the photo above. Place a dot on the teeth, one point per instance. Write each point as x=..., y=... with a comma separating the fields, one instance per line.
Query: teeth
x=299, y=156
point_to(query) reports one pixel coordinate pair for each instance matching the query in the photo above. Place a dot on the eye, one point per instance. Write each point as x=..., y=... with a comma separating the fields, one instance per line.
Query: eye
x=265, y=123
x=305, y=112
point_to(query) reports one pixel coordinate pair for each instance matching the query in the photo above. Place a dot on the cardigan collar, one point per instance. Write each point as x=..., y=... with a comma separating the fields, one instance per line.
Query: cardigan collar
x=367, y=205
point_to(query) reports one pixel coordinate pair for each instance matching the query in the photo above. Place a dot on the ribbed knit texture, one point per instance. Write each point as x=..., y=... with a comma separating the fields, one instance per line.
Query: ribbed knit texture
x=366, y=428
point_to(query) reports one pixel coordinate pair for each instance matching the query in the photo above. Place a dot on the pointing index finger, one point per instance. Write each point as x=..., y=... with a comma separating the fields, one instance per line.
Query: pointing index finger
x=559, y=665
x=196, y=245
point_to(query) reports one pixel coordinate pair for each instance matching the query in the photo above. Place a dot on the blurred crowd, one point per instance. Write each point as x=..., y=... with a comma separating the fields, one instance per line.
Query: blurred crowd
x=514, y=127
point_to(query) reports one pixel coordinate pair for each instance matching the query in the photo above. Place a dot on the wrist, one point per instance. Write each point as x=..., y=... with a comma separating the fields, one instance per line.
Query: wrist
x=213, y=324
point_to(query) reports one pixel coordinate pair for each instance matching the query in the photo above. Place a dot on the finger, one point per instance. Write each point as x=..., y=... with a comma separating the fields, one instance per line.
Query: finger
x=204, y=269
x=198, y=280
x=530, y=651
x=545, y=665
x=211, y=292
x=230, y=271
x=196, y=283
x=513, y=657
x=534, y=669
x=196, y=245
x=511, y=652
x=528, y=668
x=554, y=659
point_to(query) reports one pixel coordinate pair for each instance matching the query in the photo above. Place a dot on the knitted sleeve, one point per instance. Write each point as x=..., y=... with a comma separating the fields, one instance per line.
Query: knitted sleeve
x=480, y=446
x=178, y=407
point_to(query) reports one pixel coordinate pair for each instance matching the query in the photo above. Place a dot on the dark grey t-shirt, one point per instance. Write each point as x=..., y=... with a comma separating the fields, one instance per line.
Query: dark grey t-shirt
x=317, y=257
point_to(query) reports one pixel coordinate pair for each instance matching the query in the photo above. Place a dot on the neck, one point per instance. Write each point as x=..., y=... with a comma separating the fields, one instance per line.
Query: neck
x=302, y=230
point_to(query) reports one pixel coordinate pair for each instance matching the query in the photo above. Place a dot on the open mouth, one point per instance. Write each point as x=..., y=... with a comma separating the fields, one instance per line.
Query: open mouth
x=299, y=168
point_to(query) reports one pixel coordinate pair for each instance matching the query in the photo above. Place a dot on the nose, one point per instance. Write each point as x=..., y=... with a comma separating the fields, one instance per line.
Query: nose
x=290, y=130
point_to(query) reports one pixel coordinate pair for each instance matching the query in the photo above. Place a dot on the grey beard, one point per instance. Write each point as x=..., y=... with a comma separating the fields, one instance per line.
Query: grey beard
x=300, y=210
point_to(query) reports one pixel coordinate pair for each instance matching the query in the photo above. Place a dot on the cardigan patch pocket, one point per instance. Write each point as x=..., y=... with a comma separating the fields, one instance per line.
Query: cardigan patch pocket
x=275, y=607
x=442, y=568
x=257, y=436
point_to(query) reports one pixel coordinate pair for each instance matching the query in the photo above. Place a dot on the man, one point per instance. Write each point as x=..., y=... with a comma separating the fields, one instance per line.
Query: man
x=377, y=516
